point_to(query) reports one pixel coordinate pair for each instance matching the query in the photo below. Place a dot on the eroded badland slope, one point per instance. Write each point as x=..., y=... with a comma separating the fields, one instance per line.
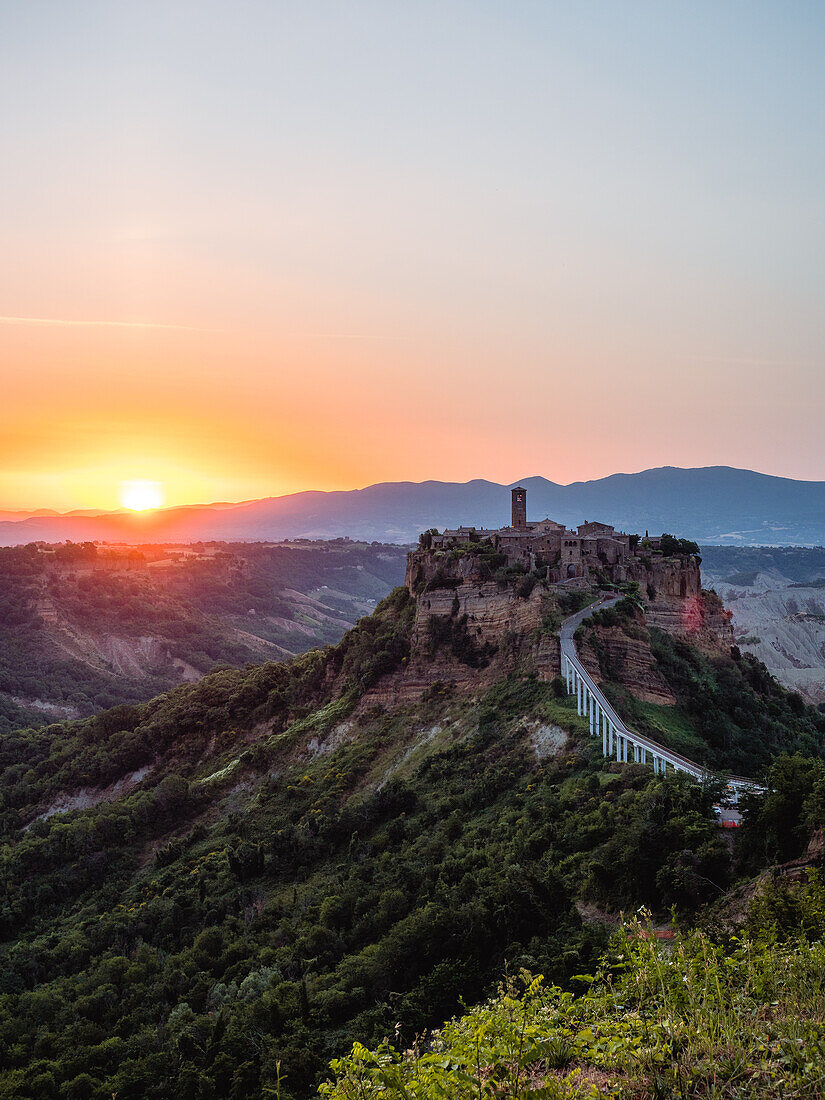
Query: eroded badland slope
x=83, y=628
x=346, y=844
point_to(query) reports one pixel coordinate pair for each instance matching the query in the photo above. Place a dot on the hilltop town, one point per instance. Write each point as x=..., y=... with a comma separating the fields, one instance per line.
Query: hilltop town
x=593, y=552
x=490, y=601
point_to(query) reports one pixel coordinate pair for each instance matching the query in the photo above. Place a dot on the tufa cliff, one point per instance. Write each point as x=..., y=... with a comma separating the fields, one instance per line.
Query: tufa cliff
x=477, y=618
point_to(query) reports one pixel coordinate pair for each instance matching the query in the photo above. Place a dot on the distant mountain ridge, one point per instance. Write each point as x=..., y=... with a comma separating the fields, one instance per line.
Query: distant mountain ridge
x=713, y=504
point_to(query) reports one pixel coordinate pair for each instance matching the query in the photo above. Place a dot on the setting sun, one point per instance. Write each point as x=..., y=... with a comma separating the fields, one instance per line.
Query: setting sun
x=140, y=496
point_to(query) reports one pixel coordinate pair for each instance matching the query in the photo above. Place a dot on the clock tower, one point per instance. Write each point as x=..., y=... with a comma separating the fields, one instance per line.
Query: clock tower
x=519, y=507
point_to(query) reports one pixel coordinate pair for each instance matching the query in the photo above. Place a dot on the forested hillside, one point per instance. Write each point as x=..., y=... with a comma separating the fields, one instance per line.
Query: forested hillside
x=83, y=628
x=270, y=863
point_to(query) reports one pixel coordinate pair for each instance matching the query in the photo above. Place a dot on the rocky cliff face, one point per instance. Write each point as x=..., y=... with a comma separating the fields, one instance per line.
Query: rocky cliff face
x=474, y=623
x=612, y=653
x=676, y=602
x=470, y=635
x=470, y=629
x=622, y=652
x=663, y=579
x=701, y=620
x=460, y=588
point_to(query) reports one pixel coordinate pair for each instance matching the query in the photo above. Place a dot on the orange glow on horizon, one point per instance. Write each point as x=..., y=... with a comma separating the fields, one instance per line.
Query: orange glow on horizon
x=140, y=495
x=581, y=246
x=250, y=411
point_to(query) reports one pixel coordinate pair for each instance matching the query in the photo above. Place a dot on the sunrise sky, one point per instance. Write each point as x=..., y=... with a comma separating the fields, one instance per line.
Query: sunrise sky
x=255, y=247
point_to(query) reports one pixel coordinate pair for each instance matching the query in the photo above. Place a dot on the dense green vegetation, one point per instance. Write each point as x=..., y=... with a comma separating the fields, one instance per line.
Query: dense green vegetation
x=303, y=865
x=778, y=825
x=59, y=605
x=704, y=1016
x=671, y=546
x=312, y=918
x=250, y=905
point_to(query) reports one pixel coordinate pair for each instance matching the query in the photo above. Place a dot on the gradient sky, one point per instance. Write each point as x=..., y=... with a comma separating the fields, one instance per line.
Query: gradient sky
x=255, y=247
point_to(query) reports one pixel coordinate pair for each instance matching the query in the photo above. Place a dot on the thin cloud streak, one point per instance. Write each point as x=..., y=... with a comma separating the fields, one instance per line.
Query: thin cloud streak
x=339, y=336
x=61, y=322
x=747, y=362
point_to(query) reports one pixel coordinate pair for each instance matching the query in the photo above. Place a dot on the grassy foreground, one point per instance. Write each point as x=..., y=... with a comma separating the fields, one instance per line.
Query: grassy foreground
x=685, y=1018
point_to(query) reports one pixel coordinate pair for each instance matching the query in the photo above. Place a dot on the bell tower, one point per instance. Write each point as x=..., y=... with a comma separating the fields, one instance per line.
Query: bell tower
x=519, y=506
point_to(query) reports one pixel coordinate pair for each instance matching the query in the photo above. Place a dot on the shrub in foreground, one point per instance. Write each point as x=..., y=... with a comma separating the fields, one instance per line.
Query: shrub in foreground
x=691, y=1018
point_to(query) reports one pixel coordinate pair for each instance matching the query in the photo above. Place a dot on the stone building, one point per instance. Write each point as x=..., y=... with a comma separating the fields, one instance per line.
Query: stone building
x=545, y=543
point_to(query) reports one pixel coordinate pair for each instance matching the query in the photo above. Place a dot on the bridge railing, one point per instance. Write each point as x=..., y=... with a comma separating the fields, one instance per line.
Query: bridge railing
x=592, y=701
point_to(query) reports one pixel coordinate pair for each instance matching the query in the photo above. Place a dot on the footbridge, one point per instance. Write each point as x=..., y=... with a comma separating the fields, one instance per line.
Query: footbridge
x=619, y=742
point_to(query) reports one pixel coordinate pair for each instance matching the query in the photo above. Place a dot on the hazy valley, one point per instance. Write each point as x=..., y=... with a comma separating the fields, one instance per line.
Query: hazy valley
x=84, y=627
